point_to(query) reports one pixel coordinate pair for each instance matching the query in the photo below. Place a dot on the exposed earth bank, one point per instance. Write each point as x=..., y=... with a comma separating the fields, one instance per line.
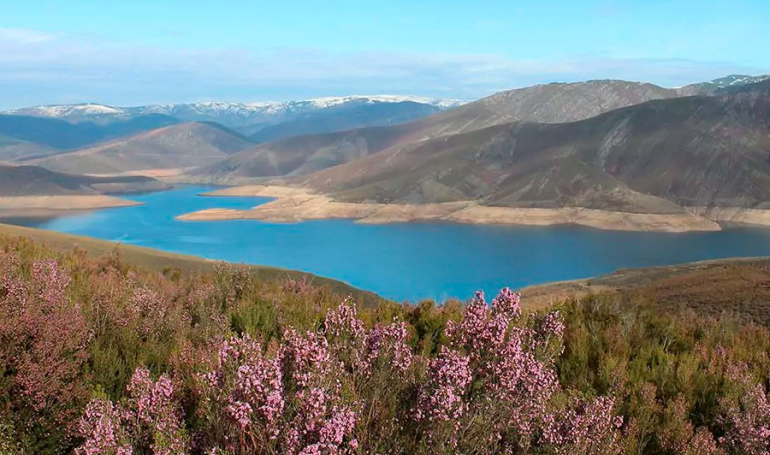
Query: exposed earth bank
x=294, y=204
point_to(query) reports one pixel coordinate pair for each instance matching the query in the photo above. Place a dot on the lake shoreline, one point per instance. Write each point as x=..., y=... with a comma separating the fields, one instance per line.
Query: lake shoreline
x=294, y=204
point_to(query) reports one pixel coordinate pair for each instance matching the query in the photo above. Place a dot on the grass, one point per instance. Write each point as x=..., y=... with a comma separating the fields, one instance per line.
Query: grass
x=740, y=287
x=161, y=261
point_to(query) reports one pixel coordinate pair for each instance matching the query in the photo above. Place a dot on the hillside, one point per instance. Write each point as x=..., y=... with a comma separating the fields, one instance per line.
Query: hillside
x=37, y=181
x=550, y=103
x=12, y=149
x=108, y=335
x=656, y=157
x=302, y=154
x=163, y=149
x=738, y=287
x=547, y=103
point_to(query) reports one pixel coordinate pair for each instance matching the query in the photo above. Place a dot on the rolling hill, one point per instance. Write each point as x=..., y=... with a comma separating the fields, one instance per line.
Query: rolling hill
x=655, y=157
x=163, y=149
x=301, y=155
x=35, y=181
x=12, y=149
x=552, y=103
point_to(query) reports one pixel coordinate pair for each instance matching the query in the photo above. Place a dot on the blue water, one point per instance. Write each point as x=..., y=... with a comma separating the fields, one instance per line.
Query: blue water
x=403, y=261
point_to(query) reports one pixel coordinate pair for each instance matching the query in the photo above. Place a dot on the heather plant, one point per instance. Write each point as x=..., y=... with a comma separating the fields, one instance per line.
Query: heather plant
x=584, y=426
x=747, y=421
x=108, y=358
x=150, y=421
x=492, y=393
x=43, y=346
x=678, y=434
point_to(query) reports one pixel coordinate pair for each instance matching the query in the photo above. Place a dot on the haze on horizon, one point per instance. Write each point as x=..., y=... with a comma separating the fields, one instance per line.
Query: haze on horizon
x=145, y=52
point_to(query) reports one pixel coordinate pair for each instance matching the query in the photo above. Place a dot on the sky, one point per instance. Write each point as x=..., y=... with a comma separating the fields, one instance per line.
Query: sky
x=137, y=52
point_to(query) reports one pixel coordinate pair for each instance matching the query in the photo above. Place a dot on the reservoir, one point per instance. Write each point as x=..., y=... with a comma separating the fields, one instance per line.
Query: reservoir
x=406, y=261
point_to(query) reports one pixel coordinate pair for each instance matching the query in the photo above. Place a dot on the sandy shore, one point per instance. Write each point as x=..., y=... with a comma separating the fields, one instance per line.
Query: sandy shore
x=298, y=204
x=734, y=215
x=42, y=205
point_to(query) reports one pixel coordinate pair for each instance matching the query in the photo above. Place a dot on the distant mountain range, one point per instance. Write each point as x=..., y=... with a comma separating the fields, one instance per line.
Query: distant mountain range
x=249, y=118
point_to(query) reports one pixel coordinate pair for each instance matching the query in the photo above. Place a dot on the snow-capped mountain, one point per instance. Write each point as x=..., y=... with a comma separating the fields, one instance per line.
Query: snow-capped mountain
x=75, y=113
x=721, y=85
x=738, y=79
x=234, y=115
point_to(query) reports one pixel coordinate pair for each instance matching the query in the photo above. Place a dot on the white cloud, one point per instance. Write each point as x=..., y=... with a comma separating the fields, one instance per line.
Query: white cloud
x=41, y=68
x=20, y=36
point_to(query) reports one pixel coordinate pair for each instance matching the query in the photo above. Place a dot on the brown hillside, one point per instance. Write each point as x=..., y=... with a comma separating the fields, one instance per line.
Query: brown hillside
x=654, y=157
x=37, y=181
x=552, y=103
x=173, y=147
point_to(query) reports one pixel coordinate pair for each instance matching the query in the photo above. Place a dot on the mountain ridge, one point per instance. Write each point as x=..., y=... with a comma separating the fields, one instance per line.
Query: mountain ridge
x=313, y=152
x=239, y=113
x=654, y=145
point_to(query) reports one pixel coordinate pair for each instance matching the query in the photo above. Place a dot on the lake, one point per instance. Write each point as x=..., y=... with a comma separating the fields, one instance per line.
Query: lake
x=401, y=261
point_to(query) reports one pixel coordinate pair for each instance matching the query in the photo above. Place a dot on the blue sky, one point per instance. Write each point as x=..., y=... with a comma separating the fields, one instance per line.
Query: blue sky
x=141, y=51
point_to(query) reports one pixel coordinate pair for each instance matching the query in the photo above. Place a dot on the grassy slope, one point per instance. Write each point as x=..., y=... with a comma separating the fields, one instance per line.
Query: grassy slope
x=739, y=286
x=159, y=260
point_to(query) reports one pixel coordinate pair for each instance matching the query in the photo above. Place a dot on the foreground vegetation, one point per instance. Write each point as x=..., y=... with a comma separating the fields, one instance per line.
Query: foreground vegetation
x=99, y=357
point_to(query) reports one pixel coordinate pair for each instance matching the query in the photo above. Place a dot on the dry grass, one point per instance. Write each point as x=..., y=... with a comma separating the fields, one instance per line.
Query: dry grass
x=160, y=261
x=734, y=286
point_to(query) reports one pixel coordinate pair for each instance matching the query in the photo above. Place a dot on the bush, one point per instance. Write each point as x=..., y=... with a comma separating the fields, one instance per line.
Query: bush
x=101, y=357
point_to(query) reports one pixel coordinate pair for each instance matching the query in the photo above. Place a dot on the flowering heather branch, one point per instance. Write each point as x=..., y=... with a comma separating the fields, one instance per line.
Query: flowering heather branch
x=103, y=430
x=44, y=341
x=387, y=343
x=584, y=427
x=441, y=398
x=748, y=423
x=320, y=427
x=306, y=359
x=151, y=422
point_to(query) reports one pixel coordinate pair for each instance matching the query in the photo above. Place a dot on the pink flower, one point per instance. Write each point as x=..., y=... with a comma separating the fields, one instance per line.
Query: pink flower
x=748, y=423
x=584, y=427
x=441, y=398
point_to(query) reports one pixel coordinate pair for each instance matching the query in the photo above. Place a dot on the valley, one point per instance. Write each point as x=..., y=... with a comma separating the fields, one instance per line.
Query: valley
x=592, y=162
